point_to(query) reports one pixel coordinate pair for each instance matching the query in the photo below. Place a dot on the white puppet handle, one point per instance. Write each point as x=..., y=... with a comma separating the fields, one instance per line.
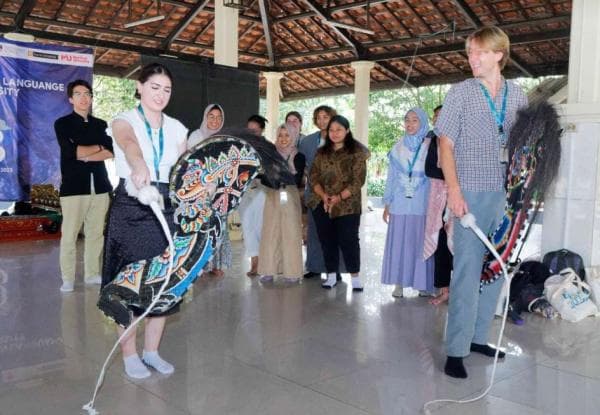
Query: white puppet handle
x=468, y=221
x=147, y=195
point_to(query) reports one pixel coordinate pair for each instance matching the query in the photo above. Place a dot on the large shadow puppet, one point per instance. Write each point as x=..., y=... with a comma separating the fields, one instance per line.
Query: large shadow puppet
x=534, y=149
x=206, y=184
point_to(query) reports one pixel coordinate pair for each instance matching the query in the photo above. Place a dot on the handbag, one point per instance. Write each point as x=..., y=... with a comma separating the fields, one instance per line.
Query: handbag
x=570, y=296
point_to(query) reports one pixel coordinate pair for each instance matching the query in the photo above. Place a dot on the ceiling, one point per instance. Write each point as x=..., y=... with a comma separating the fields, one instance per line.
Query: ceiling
x=413, y=42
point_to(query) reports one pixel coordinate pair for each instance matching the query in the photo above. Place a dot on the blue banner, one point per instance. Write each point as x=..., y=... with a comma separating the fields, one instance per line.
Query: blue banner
x=33, y=94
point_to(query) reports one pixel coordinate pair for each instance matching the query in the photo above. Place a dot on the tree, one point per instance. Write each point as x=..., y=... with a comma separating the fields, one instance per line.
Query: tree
x=112, y=96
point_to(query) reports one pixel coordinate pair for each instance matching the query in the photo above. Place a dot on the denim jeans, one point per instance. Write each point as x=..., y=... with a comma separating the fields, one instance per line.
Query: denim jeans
x=470, y=312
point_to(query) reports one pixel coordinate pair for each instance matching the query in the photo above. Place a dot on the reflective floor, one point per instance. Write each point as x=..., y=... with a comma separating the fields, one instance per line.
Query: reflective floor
x=243, y=348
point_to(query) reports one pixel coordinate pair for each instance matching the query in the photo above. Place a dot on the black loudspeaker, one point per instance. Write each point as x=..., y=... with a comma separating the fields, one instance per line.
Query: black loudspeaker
x=195, y=85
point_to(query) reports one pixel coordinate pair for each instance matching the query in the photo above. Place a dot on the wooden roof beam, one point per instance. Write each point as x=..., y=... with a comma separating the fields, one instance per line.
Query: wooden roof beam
x=476, y=23
x=23, y=12
x=189, y=17
x=359, y=51
x=342, y=7
x=431, y=50
x=266, y=23
x=93, y=42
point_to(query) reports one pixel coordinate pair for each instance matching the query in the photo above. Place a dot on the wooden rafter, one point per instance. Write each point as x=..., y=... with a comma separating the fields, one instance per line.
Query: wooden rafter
x=266, y=23
x=476, y=23
x=24, y=11
x=183, y=23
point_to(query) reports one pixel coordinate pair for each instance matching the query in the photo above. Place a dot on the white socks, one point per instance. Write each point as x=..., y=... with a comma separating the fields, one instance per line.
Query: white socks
x=152, y=359
x=135, y=368
x=357, y=284
x=331, y=281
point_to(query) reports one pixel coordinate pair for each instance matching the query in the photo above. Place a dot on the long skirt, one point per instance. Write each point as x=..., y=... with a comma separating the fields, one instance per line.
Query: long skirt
x=251, y=214
x=403, y=256
x=133, y=233
x=281, y=243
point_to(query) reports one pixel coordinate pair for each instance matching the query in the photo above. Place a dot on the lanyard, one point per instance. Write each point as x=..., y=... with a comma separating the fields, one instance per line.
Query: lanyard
x=499, y=117
x=161, y=142
x=411, y=164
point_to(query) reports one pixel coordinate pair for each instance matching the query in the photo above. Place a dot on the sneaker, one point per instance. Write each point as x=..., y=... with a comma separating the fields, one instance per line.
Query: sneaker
x=266, y=279
x=330, y=282
x=397, y=291
x=409, y=292
x=357, y=284
x=311, y=274
x=67, y=286
x=96, y=280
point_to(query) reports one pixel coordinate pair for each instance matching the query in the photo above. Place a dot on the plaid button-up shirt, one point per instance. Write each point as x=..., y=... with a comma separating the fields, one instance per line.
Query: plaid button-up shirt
x=467, y=120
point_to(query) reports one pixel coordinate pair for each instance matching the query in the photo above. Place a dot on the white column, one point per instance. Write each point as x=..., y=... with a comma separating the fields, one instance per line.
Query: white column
x=362, y=86
x=226, y=35
x=362, y=83
x=572, y=209
x=273, y=90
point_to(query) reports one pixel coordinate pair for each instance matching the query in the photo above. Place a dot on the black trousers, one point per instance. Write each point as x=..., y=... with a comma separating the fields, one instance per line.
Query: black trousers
x=337, y=234
x=443, y=261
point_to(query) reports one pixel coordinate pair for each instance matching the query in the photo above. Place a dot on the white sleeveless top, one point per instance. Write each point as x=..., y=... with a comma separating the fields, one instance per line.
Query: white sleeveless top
x=174, y=133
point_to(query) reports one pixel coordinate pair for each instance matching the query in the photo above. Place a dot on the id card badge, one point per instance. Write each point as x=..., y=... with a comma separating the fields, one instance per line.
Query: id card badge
x=283, y=197
x=503, y=157
x=409, y=189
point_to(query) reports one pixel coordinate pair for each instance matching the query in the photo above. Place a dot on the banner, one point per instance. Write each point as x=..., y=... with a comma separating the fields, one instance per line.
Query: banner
x=33, y=94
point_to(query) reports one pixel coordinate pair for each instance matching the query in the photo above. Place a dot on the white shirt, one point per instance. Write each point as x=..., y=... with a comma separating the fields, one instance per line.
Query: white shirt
x=174, y=133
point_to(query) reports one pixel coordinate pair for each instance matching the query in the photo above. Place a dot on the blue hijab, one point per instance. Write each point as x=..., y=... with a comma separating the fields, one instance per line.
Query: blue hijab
x=413, y=141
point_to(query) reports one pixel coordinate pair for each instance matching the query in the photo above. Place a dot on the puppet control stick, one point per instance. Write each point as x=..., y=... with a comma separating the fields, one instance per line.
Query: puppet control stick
x=468, y=221
x=148, y=195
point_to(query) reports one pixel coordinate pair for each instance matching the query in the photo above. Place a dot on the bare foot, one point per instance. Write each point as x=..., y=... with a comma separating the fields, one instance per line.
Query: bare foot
x=441, y=298
x=217, y=272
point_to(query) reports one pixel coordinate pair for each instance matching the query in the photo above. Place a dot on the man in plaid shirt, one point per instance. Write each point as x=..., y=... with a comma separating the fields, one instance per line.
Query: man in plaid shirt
x=473, y=127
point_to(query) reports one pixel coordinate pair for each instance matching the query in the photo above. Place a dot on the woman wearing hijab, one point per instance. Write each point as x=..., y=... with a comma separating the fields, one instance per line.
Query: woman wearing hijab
x=405, y=200
x=212, y=122
x=281, y=241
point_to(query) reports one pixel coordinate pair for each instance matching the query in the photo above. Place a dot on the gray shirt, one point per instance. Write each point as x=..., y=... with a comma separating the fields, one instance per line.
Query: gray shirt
x=467, y=120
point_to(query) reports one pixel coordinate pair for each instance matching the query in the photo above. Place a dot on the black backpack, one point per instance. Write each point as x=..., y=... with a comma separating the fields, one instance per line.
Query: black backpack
x=563, y=258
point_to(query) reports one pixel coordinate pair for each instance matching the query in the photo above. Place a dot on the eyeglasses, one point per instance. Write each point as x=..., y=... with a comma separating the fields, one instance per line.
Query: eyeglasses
x=84, y=94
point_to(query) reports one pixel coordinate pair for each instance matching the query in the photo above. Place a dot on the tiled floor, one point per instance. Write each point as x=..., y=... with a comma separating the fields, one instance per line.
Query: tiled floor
x=242, y=348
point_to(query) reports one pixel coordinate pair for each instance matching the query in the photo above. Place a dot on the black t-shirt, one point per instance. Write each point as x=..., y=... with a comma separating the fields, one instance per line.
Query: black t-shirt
x=72, y=130
x=431, y=162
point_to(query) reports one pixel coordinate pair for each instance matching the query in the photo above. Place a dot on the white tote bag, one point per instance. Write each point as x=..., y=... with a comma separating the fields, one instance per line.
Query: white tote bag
x=570, y=296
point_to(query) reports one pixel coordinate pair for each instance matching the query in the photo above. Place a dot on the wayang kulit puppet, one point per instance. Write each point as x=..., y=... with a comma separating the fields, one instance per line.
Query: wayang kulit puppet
x=206, y=184
x=534, y=154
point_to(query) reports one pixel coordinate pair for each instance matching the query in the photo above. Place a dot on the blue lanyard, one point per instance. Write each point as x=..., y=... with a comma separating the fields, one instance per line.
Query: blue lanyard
x=499, y=117
x=161, y=142
x=411, y=164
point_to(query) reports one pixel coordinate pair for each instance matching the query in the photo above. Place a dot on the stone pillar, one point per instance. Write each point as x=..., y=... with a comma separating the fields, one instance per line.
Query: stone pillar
x=226, y=35
x=273, y=90
x=362, y=84
x=362, y=80
x=572, y=208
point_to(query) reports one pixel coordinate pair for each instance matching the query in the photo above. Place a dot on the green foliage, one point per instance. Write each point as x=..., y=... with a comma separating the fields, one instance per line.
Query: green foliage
x=112, y=96
x=375, y=186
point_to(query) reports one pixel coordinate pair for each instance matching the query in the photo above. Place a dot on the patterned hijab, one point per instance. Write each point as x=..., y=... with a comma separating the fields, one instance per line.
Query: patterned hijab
x=289, y=151
x=412, y=141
